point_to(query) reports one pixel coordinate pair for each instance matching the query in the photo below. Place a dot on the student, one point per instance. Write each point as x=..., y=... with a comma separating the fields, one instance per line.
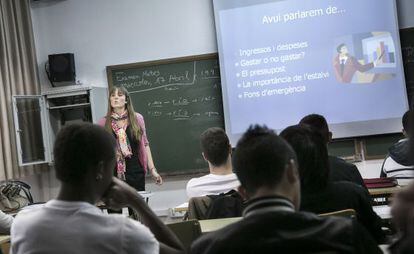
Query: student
x=398, y=163
x=267, y=169
x=319, y=195
x=403, y=219
x=84, y=156
x=216, y=150
x=402, y=210
x=340, y=170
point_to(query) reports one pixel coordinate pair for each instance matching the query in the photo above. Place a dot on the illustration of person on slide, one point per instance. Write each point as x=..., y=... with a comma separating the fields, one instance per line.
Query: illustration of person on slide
x=346, y=65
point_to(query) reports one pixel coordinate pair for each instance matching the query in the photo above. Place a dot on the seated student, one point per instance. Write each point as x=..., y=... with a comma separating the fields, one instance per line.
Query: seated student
x=216, y=150
x=403, y=209
x=84, y=156
x=319, y=195
x=340, y=170
x=403, y=219
x=398, y=163
x=267, y=169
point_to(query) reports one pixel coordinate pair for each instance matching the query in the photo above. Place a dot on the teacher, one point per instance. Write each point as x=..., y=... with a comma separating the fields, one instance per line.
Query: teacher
x=133, y=153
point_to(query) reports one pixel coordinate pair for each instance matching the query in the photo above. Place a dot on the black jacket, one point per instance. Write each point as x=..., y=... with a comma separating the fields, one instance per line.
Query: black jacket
x=340, y=170
x=400, y=153
x=270, y=225
x=344, y=195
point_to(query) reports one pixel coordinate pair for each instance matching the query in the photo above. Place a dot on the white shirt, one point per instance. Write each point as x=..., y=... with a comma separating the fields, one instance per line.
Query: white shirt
x=211, y=185
x=78, y=227
x=403, y=174
x=343, y=59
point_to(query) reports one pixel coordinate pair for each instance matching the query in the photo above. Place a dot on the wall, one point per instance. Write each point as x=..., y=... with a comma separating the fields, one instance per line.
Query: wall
x=108, y=32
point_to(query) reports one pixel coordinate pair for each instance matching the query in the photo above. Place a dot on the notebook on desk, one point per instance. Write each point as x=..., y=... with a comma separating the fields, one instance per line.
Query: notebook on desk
x=384, y=182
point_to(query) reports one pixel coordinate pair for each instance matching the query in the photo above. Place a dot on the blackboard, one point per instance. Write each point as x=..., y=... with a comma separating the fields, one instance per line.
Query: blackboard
x=368, y=148
x=347, y=149
x=376, y=147
x=179, y=99
x=407, y=48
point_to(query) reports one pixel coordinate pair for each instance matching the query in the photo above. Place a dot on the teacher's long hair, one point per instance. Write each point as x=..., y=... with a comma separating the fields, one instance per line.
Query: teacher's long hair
x=136, y=130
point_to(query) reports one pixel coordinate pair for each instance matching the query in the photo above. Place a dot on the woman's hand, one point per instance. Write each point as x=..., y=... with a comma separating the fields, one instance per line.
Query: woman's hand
x=157, y=178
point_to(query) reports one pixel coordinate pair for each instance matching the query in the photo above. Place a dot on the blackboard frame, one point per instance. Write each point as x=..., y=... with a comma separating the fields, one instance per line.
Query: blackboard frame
x=113, y=68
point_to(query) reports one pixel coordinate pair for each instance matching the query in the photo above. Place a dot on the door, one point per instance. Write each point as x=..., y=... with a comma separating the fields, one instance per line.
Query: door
x=30, y=118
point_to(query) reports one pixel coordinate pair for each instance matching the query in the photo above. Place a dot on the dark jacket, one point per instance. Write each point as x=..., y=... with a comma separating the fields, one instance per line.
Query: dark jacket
x=400, y=153
x=398, y=163
x=340, y=170
x=270, y=225
x=344, y=195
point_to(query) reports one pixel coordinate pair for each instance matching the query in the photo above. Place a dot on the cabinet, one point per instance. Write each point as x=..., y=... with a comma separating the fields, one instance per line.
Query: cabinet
x=38, y=118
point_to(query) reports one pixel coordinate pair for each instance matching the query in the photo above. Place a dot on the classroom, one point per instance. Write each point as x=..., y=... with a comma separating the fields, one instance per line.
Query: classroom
x=116, y=43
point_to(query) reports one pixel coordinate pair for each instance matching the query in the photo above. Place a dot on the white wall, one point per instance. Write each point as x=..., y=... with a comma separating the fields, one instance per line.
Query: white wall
x=108, y=32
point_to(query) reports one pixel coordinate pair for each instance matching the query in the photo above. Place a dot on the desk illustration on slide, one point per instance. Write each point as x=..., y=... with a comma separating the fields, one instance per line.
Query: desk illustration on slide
x=372, y=59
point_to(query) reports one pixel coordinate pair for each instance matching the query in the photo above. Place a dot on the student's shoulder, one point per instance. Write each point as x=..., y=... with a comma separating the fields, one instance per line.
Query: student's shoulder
x=30, y=212
x=198, y=180
x=132, y=228
x=29, y=219
x=340, y=161
x=348, y=188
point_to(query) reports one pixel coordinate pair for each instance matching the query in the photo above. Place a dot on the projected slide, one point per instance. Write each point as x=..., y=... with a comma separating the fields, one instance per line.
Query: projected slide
x=282, y=60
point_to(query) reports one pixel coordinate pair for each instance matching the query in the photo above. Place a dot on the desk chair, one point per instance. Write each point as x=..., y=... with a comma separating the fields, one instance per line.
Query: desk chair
x=197, y=207
x=216, y=224
x=186, y=231
x=4, y=244
x=347, y=213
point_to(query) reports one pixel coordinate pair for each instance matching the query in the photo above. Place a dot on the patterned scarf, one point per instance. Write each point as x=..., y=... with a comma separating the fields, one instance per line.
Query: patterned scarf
x=123, y=149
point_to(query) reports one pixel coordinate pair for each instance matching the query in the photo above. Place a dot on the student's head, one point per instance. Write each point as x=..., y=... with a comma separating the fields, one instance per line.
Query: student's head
x=319, y=123
x=265, y=163
x=407, y=122
x=84, y=156
x=342, y=48
x=312, y=155
x=118, y=101
x=215, y=146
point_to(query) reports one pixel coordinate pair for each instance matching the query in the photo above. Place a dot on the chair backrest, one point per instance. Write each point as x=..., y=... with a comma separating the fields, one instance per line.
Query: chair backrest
x=186, y=231
x=216, y=224
x=347, y=213
x=225, y=205
x=198, y=207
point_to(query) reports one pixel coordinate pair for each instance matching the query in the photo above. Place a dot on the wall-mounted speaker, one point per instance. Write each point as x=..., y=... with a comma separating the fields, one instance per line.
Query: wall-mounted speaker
x=62, y=67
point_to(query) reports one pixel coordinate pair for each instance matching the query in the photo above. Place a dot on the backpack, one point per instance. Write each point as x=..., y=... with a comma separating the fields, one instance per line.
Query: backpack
x=14, y=195
x=225, y=205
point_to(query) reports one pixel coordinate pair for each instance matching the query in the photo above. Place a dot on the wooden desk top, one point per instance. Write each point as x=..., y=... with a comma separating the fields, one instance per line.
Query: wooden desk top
x=215, y=224
x=4, y=239
x=384, y=191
